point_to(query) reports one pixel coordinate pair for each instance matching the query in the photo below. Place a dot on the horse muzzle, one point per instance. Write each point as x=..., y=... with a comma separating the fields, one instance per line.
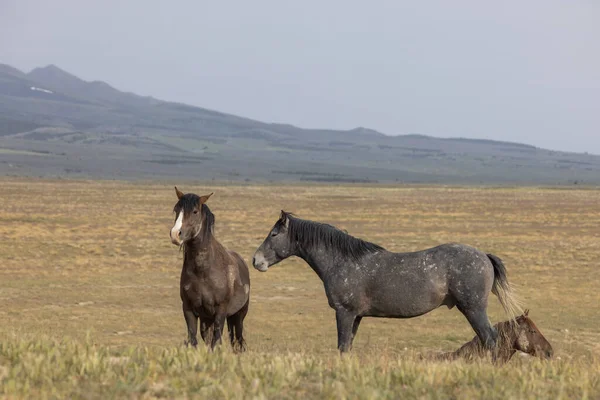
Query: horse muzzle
x=259, y=262
x=175, y=235
x=546, y=354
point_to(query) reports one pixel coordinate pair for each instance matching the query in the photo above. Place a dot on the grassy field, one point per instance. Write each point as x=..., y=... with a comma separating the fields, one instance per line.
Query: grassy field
x=90, y=308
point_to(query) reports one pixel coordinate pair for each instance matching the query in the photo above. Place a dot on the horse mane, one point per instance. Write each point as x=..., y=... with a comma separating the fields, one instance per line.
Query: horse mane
x=311, y=234
x=507, y=330
x=209, y=222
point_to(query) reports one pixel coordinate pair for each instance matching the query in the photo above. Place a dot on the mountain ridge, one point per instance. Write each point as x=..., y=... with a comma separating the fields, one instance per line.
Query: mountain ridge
x=116, y=133
x=53, y=69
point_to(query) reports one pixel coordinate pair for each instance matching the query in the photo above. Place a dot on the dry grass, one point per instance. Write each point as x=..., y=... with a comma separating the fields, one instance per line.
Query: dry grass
x=93, y=260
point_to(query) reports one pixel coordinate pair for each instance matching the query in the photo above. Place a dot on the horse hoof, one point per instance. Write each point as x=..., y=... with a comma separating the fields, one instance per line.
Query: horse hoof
x=239, y=349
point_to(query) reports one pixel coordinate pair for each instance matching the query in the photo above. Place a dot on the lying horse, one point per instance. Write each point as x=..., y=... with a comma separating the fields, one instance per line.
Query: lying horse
x=520, y=335
x=215, y=282
x=363, y=279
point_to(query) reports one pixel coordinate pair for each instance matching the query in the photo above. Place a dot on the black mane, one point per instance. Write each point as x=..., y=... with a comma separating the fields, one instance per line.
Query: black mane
x=311, y=234
x=209, y=222
x=187, y=203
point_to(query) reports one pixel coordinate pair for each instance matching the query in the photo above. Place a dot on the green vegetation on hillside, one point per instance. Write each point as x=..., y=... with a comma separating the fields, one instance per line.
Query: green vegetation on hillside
x=106, y=133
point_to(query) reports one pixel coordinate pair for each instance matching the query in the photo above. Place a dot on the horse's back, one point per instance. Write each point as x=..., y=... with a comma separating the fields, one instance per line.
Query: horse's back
x=448, y=260
x=466, y=268
x=406, y=285
x=449, y=250
x=439, y=260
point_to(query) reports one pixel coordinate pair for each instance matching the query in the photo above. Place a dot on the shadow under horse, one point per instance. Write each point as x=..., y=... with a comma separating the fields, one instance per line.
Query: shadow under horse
x=215, y=282
x=363, y=279
x=514, y=335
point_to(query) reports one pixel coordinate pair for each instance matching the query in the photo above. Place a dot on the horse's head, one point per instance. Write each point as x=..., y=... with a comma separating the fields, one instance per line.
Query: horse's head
x=276, y=247
x=530, y=340
x=190, y=215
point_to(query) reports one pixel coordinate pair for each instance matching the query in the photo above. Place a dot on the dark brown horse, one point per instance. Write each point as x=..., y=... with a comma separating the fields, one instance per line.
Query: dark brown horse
x=520, y=335
x=215, y=282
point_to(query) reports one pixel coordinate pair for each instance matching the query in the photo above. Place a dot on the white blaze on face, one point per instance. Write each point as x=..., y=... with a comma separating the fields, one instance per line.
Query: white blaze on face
x=176, y=228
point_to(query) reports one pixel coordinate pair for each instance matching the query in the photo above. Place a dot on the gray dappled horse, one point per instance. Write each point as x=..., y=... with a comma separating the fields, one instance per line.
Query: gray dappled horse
x=363, y=279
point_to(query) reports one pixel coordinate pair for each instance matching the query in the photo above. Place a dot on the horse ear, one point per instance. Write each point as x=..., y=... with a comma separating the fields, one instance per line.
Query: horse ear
x=179, y=193
x=284, y=219
x=526, y=312
x=204, y=199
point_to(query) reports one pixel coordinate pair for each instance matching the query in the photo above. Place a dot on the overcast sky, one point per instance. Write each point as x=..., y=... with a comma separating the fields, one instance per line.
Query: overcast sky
x=525, y=71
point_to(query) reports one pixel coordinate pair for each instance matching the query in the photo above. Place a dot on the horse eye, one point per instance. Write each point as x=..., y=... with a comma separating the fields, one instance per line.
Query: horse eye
x=273, y=233
x=195, y=211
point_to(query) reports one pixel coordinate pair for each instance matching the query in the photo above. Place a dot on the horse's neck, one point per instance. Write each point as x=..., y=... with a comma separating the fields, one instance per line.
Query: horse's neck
x=320, y=261
x=506, y=340
x=201, y=253
x=507, y=333
x=475, y=348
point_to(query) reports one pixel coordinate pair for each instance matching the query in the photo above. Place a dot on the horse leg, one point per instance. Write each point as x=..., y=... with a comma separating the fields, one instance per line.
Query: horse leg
x=218, y=329
x=239, y=327
x=480, y=323
x=355, y=328
x=191, y=321
x=235, y=323
x=205, y=328
x=230, y=325
x=345, y=323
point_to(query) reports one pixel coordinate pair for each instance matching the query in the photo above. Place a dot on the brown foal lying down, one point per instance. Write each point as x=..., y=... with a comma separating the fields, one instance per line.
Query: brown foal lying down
x=521, y=335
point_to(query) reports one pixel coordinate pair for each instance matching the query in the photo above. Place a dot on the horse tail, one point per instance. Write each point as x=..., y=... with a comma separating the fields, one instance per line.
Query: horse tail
x=503, y=290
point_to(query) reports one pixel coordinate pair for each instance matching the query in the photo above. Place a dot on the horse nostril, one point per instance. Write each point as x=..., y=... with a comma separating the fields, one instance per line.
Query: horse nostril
x=253, y=260
x=179, y=233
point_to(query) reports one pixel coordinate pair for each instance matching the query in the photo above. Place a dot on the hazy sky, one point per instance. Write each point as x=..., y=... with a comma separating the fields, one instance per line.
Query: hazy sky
x=526, y=71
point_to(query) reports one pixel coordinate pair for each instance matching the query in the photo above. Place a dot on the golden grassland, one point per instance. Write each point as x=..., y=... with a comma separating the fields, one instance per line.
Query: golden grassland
x=90, y=308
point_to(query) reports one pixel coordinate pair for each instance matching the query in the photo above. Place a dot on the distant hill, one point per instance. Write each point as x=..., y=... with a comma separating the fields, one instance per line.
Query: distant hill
x=53, y=123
